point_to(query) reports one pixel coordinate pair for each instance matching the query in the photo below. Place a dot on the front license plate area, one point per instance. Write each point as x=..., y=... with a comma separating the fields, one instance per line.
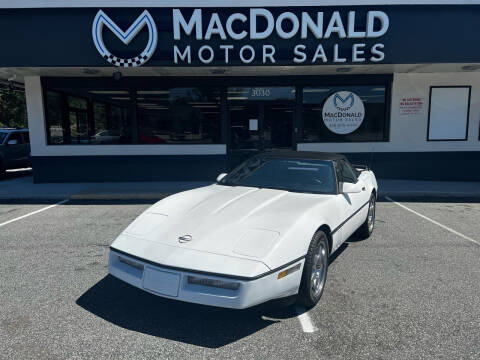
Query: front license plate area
x=161, y=282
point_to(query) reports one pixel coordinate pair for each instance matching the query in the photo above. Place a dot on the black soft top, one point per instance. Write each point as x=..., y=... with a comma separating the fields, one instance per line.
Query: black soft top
x=311, y=155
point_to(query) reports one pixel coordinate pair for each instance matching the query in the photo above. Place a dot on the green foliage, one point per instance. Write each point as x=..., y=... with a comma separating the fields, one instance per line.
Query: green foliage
x=13, y=108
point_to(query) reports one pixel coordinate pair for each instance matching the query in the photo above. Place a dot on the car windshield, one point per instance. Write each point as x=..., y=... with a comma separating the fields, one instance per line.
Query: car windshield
x=296, y=175
x=3, y=135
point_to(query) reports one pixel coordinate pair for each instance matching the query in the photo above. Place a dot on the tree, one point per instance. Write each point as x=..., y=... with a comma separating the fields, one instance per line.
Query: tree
x=13, y=108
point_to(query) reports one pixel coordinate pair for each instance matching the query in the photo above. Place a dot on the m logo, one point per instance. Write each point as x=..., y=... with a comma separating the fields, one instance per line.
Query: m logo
x=145, y=19
x=343, y=104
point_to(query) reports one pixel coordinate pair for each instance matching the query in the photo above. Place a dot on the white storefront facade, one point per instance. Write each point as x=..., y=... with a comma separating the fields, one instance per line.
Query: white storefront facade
x=125, y=91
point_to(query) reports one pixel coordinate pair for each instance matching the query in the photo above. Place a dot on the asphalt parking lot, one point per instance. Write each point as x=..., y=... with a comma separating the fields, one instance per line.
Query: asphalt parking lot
x=410, y=291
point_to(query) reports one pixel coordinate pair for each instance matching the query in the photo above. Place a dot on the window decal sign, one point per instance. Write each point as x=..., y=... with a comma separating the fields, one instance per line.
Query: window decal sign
x=412, y=105
x=145, y=19
x=343, y=112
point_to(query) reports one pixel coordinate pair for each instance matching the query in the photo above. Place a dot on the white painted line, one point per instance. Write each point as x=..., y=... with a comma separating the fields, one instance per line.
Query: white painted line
x=434, y=222
x=307, y=324
x=34, y=212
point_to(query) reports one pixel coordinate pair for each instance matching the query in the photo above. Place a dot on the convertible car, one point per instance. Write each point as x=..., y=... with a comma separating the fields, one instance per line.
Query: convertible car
x=264, y=231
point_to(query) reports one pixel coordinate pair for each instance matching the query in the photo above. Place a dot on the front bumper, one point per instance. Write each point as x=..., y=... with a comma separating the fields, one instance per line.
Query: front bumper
x=174, y=284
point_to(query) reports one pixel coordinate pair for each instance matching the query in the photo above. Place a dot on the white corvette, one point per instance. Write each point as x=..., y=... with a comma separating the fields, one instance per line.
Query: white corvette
x=262, y=232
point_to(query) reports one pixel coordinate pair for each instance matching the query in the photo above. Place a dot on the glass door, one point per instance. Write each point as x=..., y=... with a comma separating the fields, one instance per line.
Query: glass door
x=246, y=135
x=257, y=126
x=277, y=125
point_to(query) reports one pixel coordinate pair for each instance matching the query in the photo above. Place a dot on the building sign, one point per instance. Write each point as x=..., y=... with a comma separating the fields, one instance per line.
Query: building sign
x=412, y=105
x=343, y=112
x=84, y=37
x=251, y=37
x=262, y=93
x=145, y=19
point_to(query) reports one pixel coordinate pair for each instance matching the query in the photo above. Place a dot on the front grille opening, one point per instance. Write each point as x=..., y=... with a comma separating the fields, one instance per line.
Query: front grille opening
x=131, y=263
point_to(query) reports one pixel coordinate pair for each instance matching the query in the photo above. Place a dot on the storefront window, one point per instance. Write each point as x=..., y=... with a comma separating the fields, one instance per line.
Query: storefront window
x=77, y=115
x=94, y=117
x=344, y=114
x=54, y=117
x=182, y=115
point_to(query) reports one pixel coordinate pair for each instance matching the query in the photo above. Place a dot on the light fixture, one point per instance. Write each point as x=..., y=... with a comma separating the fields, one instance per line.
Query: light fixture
x=90, y=71
x=471, y=67
x=344, y=69
x=284, y=273
x=195, y=280
x=117, y=75
x=218, y=71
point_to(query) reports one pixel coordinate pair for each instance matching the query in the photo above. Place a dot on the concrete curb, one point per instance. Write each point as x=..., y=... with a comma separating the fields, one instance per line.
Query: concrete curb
x=161, y=195
x=438, y=194
x=127, y=196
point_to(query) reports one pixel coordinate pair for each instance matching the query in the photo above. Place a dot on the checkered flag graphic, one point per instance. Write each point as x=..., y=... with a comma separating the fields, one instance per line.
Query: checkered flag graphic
x=132, y=62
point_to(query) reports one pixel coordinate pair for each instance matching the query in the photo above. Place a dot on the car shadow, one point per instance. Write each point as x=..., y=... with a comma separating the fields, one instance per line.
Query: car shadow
x=130, y=308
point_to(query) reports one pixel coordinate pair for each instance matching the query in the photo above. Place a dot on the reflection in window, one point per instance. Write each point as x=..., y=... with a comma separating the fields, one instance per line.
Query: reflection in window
x=78, y=116
x=178, y=116
x=373, y=127
x=54, y=117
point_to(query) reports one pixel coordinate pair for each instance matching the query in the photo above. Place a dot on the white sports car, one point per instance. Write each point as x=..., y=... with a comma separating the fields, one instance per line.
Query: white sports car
x=264, y=231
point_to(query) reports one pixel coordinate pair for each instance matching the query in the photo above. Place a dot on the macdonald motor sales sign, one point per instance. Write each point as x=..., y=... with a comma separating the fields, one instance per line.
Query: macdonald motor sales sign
x=239, y=36
x=252, y=37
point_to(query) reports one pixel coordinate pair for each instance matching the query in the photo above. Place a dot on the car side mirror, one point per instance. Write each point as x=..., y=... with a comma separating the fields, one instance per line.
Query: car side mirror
x=350, y=188
x=12, y=142
x=221, y=176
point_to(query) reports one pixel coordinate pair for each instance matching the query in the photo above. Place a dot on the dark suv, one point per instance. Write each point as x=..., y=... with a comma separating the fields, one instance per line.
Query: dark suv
x=14, y=149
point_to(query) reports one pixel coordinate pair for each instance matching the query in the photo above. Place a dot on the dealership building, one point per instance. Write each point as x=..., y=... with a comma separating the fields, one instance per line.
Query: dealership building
x=122, y=90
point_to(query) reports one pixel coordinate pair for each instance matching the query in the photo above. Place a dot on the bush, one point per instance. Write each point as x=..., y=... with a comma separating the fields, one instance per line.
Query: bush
x=13, y=108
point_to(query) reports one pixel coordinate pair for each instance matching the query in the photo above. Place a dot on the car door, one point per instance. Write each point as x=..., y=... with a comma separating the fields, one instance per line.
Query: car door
x=354, y=205
x=14, y=150
x=26, y=149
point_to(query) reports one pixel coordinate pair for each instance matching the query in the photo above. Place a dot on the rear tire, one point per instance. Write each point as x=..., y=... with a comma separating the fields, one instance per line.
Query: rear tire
x=315, y=270
x=366, y=229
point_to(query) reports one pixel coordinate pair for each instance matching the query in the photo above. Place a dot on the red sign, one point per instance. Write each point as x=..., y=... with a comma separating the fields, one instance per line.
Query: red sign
x=411, y=105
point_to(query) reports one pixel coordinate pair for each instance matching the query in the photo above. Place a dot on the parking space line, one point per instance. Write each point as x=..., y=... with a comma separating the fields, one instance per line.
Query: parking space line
x=307, y=324
x=433, y=221
x=34, y=212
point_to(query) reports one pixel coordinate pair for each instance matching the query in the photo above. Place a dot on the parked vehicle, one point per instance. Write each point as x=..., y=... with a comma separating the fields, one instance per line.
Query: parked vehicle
x=106, y=137
x=14, y=149
x=262, y=232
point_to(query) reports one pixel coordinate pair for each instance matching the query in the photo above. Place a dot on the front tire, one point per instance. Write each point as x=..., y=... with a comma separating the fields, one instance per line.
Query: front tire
x=315, y=269
x=367, y=227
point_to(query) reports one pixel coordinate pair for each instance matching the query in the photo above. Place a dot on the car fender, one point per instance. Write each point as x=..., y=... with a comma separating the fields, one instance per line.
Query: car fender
x=370, y=181
x=295, y=242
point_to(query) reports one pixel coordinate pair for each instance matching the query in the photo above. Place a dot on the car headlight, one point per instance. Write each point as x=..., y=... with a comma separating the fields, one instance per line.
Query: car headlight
x=213, y=283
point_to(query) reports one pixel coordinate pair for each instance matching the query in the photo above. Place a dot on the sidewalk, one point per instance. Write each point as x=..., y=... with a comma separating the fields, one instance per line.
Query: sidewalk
x=23, y=188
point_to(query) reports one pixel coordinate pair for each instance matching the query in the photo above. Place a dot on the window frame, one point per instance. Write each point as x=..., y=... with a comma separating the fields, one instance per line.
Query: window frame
x=133, y=83
x=17, y=133
x=26, y=135
x=468, y=111
x=339, y=164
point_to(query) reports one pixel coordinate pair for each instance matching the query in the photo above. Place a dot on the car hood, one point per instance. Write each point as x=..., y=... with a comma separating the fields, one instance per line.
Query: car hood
x=241, y=222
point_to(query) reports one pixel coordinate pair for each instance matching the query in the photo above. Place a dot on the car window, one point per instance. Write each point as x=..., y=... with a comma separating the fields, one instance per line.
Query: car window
x=348, y=174
x=26, y=137
x=296, y=175
x=16, y=136
x=3, y=135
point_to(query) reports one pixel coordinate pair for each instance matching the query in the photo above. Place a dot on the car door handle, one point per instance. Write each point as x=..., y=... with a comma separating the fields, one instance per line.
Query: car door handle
x=363, y=188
